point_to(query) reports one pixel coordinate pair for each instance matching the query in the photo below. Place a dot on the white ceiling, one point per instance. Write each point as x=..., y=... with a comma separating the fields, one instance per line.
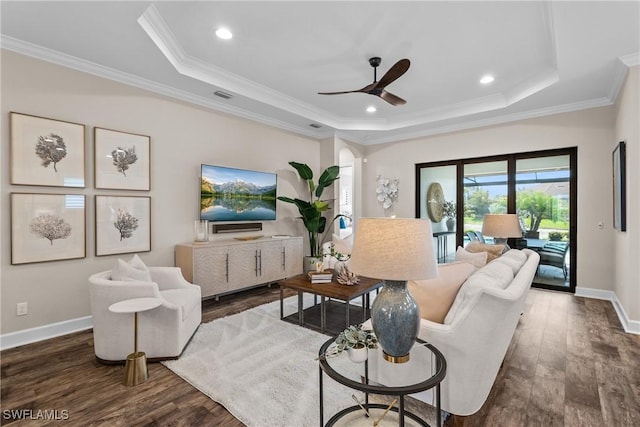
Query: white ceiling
x=547, y=57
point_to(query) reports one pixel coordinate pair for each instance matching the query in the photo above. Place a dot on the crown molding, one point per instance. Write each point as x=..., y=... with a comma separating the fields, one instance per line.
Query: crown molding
x=58, y=58
x=387, y=132
x=631, y=60
x=438, y=130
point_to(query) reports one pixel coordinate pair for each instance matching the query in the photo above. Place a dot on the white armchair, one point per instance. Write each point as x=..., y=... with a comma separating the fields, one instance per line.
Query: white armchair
x=162, y=332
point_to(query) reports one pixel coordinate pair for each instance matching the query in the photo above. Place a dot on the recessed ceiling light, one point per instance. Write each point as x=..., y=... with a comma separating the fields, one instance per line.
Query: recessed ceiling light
x=371, y=109
x=224, y=33
x=486, y=79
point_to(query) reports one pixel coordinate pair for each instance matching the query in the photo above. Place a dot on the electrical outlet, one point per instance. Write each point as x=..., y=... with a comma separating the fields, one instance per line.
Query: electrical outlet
x=21, y=309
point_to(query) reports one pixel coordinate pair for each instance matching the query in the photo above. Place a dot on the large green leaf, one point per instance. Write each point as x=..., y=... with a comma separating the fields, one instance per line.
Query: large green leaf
x=286, y=199
x=304, y=171
x=327, y=178
x=321, y=205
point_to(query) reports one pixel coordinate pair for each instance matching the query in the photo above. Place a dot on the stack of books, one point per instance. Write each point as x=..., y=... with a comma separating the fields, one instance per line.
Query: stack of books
x=320, y=277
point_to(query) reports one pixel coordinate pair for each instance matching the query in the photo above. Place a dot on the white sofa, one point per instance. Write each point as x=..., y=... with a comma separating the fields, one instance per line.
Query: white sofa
x=162, y=332
x=476, y=331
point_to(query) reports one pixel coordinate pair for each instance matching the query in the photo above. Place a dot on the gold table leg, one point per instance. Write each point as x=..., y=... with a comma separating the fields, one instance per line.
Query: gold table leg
x=135, y=368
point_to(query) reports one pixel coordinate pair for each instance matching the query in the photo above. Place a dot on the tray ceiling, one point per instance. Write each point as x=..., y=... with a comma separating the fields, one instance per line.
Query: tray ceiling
x=546, y=57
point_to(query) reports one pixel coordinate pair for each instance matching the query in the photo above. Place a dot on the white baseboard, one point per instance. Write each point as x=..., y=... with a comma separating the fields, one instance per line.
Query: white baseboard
x=40, y=333
x=630, y=326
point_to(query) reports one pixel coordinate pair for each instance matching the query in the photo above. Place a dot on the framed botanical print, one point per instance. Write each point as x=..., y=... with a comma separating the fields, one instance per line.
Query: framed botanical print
x=46, y=152
x=121, y=160
x=123, y=224
x=47, y=227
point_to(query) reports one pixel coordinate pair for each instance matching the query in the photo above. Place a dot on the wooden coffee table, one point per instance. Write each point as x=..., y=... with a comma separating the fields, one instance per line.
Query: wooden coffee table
x=334, y=298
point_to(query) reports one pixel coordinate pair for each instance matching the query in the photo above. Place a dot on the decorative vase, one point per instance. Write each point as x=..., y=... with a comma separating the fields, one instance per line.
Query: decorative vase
x=201, y=230
x=451, y=224
x=358, y=354
x=339, y=266
x=310, y=263
x=396, y=320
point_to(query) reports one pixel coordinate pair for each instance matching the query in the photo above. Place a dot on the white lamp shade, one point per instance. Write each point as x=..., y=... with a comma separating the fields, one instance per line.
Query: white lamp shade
x=502, y=226
x=393, y=249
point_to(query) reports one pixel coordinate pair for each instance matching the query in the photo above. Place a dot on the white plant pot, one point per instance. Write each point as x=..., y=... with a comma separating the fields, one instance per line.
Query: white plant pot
x=358, y=355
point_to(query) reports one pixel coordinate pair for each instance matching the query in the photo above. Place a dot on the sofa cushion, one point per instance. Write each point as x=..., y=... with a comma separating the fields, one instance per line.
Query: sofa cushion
x=132, y=270
x=494, y=275
x=514, y=259
x=478, y=259
x=493, y=251
x=183, y=298
x=435, y=296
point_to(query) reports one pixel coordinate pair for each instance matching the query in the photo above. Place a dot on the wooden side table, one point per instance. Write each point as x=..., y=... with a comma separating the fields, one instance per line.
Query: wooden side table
x=135, y=368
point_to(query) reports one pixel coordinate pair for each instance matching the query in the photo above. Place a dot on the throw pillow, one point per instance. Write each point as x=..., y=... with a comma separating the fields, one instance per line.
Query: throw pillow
x=478, y=259
x=494, y=275
x=132, y=270
x=435, y=296
x=493, y=251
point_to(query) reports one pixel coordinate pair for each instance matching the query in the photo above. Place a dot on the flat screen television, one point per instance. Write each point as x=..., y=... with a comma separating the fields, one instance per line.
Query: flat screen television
x=230, y=194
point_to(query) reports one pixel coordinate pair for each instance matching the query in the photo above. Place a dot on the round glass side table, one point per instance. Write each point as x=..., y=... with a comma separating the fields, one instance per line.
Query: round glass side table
x=135, y=368
x=425, y=370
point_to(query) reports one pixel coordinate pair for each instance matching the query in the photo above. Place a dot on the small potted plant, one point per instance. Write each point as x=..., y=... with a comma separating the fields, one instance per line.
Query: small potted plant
x=449, y=212
x=356, y=341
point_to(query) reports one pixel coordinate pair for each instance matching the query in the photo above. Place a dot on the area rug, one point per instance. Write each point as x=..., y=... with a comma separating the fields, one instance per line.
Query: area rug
x=265, y=370
x=262, y=369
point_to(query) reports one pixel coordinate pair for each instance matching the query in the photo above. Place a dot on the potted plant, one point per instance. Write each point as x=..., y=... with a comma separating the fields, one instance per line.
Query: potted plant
x=312, y=210
x=449, y=212
x=356, y=340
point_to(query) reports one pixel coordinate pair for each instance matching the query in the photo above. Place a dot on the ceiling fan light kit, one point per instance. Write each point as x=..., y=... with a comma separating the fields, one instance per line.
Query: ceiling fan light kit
x=377, y=88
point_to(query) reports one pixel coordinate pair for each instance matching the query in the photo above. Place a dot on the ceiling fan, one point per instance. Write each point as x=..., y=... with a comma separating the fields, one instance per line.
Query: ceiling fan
x=377, y=88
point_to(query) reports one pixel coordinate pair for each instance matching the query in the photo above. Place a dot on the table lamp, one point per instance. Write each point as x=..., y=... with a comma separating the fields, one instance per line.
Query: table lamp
x=501, y=227
x=394, y=250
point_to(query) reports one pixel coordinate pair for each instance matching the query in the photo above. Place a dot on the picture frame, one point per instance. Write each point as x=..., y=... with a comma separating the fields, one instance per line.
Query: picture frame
x=121, y=160
x=620, y=187
x=46, y=152
x=123, y=224
x=47, y=227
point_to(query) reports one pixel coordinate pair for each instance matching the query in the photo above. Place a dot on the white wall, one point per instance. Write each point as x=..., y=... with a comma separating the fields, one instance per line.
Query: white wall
x=627, y=245
x=182, y=137
x=592, y=131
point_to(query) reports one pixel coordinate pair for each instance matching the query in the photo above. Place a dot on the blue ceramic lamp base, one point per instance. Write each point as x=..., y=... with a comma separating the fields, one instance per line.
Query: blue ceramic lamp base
x=395, y=317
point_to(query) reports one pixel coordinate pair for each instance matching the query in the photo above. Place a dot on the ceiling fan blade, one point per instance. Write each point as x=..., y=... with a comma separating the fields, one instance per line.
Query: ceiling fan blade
x=339, y=93
x=398, y=69
x=391, y=98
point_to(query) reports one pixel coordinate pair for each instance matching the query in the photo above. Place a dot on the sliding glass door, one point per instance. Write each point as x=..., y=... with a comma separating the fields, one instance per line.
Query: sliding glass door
x=543, y=199
x=538, y=186
x=485, y=192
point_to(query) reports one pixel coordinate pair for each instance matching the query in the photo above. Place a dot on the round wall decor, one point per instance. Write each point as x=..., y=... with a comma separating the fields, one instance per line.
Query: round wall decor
x=435, y=202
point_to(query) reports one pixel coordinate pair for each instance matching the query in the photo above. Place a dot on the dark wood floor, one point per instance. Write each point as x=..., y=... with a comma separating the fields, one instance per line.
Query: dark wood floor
x=569, y=364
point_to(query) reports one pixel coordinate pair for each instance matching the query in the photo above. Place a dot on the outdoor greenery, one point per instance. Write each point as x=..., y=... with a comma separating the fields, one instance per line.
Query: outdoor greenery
x=538, y=210
x=535, y=206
